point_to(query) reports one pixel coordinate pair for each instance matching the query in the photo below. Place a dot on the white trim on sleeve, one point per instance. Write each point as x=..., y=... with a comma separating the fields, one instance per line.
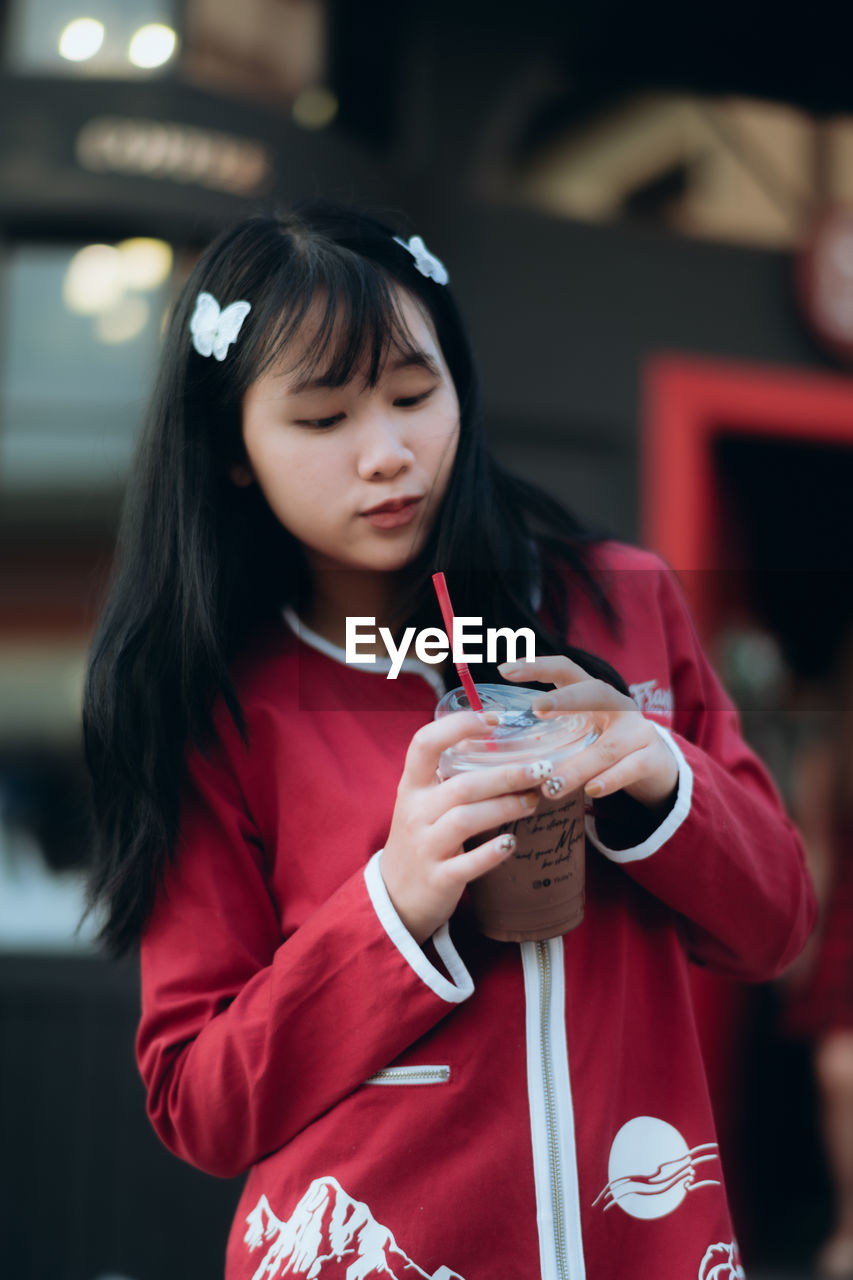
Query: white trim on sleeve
x=462, y=984
x=671, y=822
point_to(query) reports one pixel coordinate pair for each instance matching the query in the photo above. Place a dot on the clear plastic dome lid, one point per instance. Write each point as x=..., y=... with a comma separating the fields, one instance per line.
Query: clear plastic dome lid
x=519, y=736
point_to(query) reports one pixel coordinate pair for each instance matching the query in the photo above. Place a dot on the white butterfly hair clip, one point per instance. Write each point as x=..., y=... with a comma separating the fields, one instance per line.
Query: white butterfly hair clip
x=425, y=262
x=214, y=329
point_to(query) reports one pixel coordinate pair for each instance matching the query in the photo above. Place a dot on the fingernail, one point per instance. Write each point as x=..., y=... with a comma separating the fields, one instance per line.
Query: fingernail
x=541, y=705
x=553, y=786
x=509, y=668
x=593, y=788
x=541, y=769
x=528, y=801
x=507, y=844
x=489, y=717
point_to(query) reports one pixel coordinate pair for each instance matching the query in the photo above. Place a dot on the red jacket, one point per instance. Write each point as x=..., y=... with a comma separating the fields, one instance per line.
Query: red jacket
x=468, y=1109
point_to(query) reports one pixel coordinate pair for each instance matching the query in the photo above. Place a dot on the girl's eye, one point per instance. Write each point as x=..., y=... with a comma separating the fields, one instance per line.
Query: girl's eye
x=320, y=422
x=409, y=402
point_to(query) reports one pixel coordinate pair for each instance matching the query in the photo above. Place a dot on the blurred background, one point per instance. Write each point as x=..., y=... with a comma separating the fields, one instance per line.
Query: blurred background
x=647, y=214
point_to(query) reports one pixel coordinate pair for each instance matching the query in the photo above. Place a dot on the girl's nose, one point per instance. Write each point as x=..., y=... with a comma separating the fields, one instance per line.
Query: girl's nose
x=384, y=451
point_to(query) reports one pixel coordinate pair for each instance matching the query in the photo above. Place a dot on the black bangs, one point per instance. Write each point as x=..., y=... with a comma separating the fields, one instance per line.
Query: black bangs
x=330, y=316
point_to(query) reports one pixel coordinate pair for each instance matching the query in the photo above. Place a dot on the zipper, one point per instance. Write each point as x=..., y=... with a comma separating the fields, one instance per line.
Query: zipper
x=551, y=1113
x=543, y=961
x=410, y=1075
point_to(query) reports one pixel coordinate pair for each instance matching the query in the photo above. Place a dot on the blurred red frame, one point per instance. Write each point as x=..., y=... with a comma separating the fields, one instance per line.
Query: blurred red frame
x=687, y=404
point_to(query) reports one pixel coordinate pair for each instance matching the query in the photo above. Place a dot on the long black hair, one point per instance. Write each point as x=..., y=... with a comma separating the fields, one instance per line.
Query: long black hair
x=200, y=561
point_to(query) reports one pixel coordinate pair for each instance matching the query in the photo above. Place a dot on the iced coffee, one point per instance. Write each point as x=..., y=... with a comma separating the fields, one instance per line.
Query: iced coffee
x=538, y=892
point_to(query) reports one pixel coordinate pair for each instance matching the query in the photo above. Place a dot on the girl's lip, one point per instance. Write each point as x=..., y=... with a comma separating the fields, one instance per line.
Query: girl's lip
x=391, y=515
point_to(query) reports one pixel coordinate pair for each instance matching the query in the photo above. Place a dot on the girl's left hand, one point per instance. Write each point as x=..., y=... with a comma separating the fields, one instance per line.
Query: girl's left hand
x=629, y=755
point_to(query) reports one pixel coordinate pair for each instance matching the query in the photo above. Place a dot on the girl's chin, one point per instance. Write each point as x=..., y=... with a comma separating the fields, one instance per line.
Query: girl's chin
x=390, y=566
x=367, y=564
x=390, y=558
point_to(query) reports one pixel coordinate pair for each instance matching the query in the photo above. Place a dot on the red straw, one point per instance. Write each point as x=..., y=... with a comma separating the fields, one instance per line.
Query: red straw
x=461, y=667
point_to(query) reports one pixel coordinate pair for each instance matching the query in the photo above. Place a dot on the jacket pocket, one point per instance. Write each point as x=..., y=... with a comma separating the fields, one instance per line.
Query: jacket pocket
x=410, y=1075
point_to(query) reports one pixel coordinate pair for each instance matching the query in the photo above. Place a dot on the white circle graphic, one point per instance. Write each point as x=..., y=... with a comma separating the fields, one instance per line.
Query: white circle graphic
x=650, y=1168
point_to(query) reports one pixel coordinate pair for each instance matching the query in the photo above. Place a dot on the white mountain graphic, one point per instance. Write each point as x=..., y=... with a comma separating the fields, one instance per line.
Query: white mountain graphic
x=330, y=1236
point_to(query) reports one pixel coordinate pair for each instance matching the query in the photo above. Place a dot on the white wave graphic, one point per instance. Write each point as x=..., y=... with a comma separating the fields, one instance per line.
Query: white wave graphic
x=721, y=1262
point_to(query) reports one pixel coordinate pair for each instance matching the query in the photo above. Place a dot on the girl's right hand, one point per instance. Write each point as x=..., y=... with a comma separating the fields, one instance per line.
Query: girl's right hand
x=424, y=865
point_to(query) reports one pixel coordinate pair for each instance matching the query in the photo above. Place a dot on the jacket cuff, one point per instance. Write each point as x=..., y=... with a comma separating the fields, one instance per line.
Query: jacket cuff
x=460, y=985
x=669, y=825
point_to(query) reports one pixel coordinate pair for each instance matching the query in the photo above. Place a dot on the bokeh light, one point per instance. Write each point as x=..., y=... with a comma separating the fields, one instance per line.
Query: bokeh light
x=152, y=45
x=145, y=262
x=94, y=280
x=124, y=321
x=81, y=39
x=315, y=108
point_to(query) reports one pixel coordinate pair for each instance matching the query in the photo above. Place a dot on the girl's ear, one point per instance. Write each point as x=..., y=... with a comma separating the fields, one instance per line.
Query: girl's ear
x=241, y=475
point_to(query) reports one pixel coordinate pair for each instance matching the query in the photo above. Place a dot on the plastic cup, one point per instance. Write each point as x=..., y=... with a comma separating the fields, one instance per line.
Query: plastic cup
x=538, y=892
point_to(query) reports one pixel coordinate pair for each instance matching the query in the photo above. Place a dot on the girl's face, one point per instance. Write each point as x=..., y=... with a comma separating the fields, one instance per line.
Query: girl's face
x=356, y=473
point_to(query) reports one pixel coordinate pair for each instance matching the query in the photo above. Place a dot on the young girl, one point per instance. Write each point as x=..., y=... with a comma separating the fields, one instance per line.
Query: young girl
x=408, y=1097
